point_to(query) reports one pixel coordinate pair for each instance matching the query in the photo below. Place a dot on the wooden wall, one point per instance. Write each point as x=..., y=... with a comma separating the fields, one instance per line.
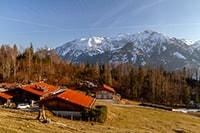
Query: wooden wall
x=60, y=104
x=102, y=94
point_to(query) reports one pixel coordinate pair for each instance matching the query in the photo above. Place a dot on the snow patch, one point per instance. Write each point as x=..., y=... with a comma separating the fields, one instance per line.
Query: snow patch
x=164, y=48
x=179, y=55
x=83, y=39
x=188, y=42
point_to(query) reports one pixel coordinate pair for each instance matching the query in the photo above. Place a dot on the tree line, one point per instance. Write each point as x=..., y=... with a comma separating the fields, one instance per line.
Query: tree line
x=154, y=85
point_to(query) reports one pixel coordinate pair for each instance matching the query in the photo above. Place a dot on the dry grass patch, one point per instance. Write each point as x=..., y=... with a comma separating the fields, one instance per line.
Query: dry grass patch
x=120, y=120
x=140, y=119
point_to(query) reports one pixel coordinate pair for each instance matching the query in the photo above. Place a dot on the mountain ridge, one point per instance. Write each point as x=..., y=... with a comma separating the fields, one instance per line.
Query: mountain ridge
x=142, y=48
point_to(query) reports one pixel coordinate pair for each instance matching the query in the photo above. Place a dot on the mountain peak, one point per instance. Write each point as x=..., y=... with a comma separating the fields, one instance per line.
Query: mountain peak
x=149, y=32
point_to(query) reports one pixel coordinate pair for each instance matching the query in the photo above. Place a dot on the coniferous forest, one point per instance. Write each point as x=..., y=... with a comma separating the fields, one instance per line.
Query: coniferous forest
x=142, y=83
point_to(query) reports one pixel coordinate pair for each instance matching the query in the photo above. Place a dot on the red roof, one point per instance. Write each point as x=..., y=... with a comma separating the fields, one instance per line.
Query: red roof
x=6, y=96
x=108, y=88
x=39, y=88
x=77, y=98
x=8, y=85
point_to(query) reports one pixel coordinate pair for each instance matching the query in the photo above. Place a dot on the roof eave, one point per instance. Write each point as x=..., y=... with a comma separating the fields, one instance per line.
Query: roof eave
x=92, y=103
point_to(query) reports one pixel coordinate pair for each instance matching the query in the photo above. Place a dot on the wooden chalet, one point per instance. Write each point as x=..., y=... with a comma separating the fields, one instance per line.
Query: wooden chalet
x=104, y=92
x=5, y=98
x=31, y=92
x=69, y=100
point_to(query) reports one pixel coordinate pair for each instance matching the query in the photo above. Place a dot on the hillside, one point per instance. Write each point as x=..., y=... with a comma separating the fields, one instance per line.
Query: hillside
x=120, y=119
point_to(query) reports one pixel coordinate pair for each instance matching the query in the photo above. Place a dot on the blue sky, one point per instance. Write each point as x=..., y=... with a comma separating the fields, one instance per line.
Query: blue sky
x=53, y=22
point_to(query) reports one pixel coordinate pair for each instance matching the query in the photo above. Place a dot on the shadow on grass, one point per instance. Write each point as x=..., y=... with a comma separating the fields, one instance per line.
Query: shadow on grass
x=21, y=118
x=180, y=131
x=197, y=114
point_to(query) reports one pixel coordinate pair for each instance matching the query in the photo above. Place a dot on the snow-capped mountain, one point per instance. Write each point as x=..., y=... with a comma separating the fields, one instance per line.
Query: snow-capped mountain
x=143, y=48
x=196, y=46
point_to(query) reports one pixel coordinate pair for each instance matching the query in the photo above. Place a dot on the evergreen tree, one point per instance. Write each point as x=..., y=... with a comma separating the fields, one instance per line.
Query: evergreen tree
x=196, y=100
x=147, y=89
x=133, y=90
x=186, y=96
x=107, y=74
x=140, y=80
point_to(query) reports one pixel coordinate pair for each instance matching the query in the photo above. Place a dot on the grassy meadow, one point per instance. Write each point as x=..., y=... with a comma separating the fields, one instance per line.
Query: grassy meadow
x=120, y=120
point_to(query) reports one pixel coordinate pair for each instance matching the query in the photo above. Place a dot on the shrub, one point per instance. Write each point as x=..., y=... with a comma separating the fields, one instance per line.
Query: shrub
x=99, y=114
x=85, y=114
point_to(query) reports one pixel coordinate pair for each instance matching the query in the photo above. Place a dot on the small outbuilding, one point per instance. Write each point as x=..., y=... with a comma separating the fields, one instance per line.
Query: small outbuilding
x=104, y=92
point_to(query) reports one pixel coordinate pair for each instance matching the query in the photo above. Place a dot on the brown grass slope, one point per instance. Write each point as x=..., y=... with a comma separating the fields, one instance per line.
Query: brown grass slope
x=120, y=119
